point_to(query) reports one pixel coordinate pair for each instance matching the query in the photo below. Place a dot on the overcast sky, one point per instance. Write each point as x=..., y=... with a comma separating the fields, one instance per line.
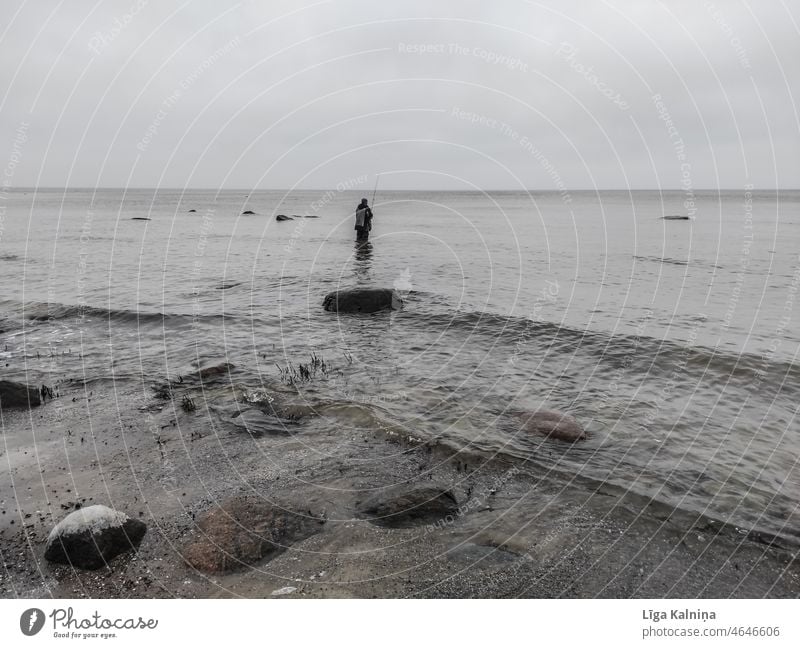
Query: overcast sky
x=451, y=94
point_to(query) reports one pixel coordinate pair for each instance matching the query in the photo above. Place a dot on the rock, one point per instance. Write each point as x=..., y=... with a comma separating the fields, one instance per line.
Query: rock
x=675, y=217
x=192, y=211
x=554, y=425
x=409, y=505
x=283, y=591
x=362, y=300
x=248, y=213
x=225, y=285
x=214, y=371
x=245, y=530
x=310, y=216
x=140, y=218
x=14, y=394
x=283, y=217
x=89, y=537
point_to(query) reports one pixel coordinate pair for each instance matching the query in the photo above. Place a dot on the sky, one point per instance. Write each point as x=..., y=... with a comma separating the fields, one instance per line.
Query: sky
x=435, y=94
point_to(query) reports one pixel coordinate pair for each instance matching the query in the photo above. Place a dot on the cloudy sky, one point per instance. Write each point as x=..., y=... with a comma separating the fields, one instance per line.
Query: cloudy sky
x=451, y=94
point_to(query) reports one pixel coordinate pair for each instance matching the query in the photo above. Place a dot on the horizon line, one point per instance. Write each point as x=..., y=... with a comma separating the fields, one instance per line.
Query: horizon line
x=478, y=191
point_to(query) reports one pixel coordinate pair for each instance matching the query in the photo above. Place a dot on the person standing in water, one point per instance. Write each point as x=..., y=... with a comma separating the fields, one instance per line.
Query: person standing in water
x=363, y=221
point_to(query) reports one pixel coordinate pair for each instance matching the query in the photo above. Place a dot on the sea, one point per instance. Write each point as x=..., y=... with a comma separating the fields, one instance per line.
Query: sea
x=665, y=322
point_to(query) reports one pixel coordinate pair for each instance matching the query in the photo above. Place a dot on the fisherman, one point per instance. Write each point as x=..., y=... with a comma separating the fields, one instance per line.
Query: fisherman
x=363, y=220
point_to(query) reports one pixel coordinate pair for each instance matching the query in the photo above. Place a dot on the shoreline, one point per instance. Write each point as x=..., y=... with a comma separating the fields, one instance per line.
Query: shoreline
x=515, y=530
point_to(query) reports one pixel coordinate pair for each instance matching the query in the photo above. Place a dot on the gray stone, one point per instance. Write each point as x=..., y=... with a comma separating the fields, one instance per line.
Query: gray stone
x=14, y=394
x=362, y=300
x=409, y=506
x=90, y=537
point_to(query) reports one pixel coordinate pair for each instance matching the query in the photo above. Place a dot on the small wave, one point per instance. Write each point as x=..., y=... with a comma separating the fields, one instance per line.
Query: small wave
x=648, y=354
x=43, y=312
x=679, y=262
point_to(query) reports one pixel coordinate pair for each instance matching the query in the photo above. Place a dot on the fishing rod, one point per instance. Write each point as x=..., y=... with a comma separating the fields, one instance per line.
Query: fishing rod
x=375, y=190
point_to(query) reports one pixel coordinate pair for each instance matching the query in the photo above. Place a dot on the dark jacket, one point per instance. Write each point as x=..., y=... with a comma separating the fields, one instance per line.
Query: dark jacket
x=367, y=217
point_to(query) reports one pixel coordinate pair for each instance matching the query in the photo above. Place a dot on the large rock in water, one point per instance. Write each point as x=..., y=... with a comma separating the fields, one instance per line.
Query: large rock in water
x=243, y=531
x=91, y=536
x=408, y=506
x=362, y=300
x=554, y=425
x=14, y=394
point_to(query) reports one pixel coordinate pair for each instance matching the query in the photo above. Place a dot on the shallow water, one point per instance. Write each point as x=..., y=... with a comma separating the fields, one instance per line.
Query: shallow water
x=673, y=341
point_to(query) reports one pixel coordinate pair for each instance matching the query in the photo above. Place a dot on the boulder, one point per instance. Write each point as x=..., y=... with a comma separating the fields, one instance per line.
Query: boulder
x=192, y=211
x=248, y=212
x=362, y=300
x=554, y=425
x=675, y=217
x=89, y=537
x=283, y=217
x=243, y=531
x=14, y=394
x=409, y=506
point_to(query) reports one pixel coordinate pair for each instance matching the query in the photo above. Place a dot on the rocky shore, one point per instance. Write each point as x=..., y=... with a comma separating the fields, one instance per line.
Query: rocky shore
x=250, y=490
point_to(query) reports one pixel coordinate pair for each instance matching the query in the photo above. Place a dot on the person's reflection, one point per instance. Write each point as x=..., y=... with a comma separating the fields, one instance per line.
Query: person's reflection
x=363, y=260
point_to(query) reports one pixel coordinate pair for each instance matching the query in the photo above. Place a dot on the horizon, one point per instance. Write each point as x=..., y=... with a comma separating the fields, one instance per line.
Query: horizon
x=399, y=190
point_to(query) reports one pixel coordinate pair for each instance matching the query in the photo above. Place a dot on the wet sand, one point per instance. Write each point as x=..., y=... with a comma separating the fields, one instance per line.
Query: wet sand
x=520, y=531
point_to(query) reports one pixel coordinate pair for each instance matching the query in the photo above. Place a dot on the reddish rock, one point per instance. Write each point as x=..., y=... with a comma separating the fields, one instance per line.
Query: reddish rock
x=243, y=531
x=554, y=425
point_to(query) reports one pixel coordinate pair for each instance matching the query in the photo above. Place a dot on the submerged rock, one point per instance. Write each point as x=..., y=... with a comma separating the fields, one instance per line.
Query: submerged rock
x=283, y=217
x=89, y=537
x=248, y=213
x=554, y=425
x=257, y=423
x=409, y=506
x=14, y=394
x=246, y=530
x=675, y=217
x=215, y=371
x=362, y=300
